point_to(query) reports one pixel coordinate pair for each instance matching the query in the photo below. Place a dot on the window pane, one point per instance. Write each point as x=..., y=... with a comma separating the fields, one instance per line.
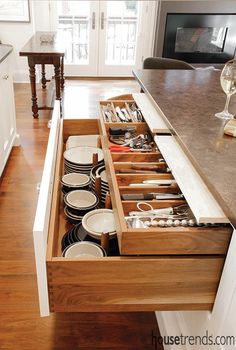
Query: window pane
x=122, y=21
x=73, y=27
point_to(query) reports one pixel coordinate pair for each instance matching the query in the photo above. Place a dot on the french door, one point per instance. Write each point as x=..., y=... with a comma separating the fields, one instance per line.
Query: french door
x=102, y=38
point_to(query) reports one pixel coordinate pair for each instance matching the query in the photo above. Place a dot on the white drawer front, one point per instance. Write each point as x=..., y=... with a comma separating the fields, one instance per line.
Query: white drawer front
x=202, y=203
x=41, y=223
x=152, y=115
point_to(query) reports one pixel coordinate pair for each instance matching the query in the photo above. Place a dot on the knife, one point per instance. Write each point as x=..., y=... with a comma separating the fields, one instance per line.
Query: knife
x=149, y=196
x=131, y=171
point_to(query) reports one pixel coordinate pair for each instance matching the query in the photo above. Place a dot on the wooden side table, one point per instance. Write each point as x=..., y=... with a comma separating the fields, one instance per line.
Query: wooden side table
x=44, y=53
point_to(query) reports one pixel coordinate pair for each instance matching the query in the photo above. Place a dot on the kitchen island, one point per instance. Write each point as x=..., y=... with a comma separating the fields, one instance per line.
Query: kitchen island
x=189, y=100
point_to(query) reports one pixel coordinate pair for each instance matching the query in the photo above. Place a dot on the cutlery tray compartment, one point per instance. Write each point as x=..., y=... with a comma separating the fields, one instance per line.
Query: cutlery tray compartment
x=121, y=111
x=190, y=240
x=167, y=281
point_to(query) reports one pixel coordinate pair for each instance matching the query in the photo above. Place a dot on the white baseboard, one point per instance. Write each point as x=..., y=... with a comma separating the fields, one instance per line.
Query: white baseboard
x=16, y=141
x=170, y=325
x=175, y=323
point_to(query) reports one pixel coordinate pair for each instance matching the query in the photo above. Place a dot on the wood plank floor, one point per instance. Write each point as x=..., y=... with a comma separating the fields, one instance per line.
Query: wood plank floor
x=21, y=326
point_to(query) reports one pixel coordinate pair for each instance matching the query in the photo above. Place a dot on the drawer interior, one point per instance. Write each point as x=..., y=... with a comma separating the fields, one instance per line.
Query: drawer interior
x=154, y=269
x=128, y=173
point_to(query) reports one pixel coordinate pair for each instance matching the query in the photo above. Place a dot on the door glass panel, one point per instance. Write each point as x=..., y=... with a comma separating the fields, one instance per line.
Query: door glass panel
x=121, y=35
x=73, y=27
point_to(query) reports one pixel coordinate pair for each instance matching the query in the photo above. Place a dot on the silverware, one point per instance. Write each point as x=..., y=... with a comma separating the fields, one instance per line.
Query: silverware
x=132, y=171
x=159, y=182
x=120, y=114
x=178, y=212
x=109, y=113
x=154, y=183
x=149, y=196
x=126, y=114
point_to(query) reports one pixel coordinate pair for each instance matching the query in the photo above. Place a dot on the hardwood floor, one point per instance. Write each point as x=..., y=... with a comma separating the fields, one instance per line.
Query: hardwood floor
x=21, y=326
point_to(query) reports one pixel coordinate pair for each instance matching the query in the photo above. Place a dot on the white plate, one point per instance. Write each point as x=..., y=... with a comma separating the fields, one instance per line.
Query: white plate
x=70, y=215
x=84, y=249
x=81, y=199
x=83, y=155
x=98, y=221
x=104, y=176
x=102, y=181
x=72, y=165
x=99, y=170
x=82, y=140
x=69, y=171
x=75, y=179
x=77, y=170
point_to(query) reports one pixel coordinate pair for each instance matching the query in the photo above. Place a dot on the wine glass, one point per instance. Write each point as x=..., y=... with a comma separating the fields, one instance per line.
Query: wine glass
x=228, y=84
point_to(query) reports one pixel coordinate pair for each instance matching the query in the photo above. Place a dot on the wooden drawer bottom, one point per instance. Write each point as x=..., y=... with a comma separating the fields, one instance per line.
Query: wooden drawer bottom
x=133, y=284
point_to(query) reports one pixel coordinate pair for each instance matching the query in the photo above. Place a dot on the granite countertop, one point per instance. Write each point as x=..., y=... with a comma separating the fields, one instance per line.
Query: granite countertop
x=5, y=50
x=189, y=99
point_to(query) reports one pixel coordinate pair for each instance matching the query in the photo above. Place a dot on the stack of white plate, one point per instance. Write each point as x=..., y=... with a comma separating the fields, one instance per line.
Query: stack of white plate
x=96, y=172
x=84, y=250
x=74, y=181
x=82, y=140
x=80, y=159
x=99, y=221
x=78, y=203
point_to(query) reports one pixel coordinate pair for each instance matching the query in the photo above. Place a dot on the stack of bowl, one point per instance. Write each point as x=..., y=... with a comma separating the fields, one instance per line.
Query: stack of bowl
x=84, y=250
x=78, y=203
x=97, y=171
x=74, y=181
x=80, y=159
x=77, y=233
x=99, y=221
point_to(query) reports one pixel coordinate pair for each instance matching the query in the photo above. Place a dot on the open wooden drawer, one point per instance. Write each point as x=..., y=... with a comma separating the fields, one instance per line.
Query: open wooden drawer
x=209, y=239
x=168, y=280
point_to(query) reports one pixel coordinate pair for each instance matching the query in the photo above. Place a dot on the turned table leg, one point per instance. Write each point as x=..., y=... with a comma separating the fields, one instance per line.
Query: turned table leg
x=44, y=80
x=33, y=89
x=57, y=70
x=62, y=73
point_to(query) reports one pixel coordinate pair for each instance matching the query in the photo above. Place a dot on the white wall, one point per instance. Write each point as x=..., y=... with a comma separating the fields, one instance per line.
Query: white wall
x=17, y=34
x=146, y=35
